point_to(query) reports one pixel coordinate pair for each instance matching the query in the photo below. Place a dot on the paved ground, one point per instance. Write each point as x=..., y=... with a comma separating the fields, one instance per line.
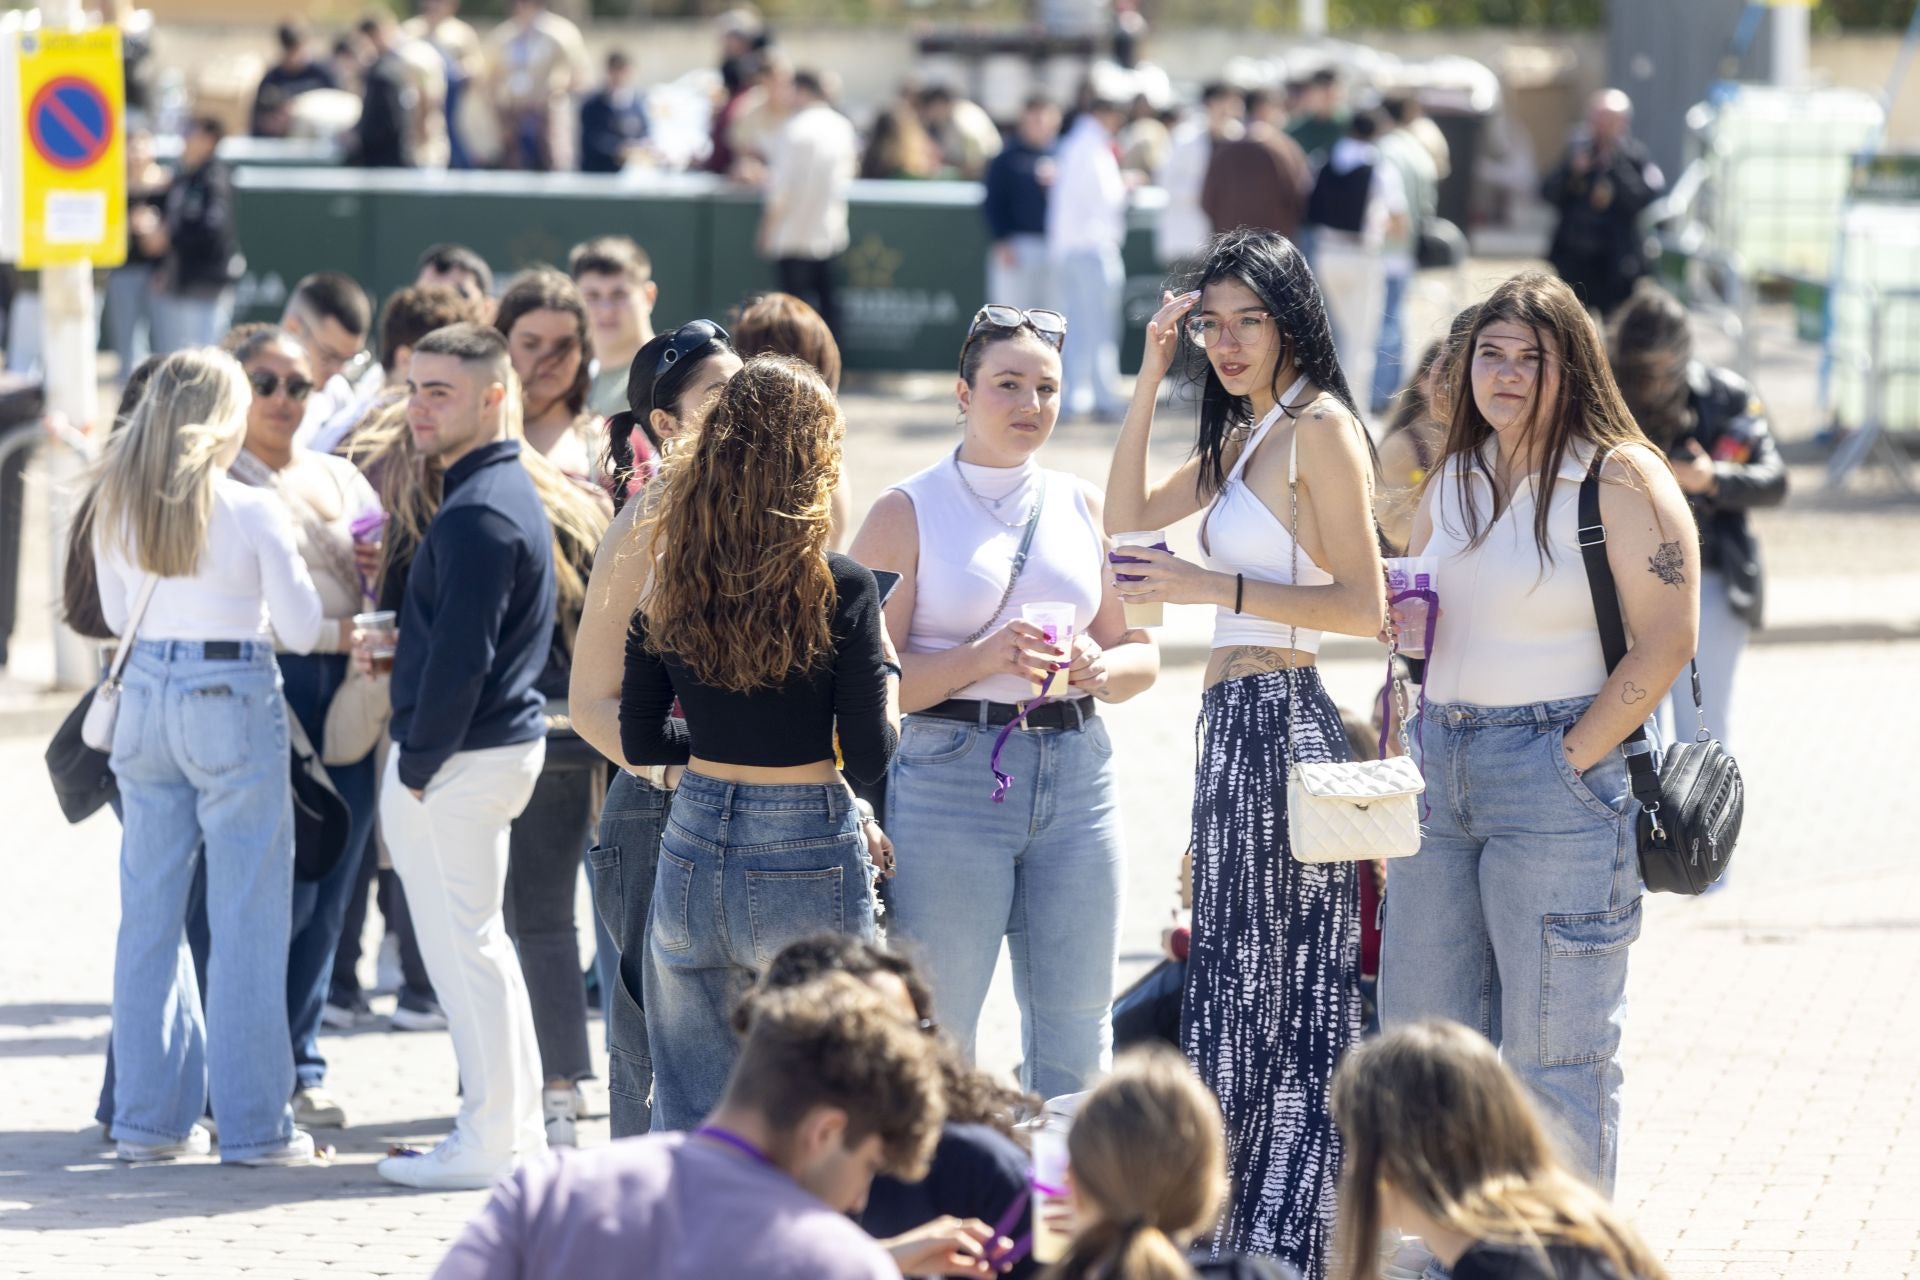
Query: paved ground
x=1772, y=1115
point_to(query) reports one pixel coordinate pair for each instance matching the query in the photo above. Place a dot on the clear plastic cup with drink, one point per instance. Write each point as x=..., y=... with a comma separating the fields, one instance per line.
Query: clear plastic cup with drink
x=1055, y=621
x=379, y=634
x=1144, y=613
x=1052, y=1214
x=1412, y=573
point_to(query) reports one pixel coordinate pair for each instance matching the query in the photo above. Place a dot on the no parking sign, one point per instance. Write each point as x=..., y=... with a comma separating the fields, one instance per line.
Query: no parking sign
x=65, y=178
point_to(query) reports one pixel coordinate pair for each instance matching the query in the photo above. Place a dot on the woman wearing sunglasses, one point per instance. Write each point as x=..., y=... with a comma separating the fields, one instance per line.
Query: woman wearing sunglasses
x=672, y=382
x=1273, y=995
x=975, y=537
x=324, y=495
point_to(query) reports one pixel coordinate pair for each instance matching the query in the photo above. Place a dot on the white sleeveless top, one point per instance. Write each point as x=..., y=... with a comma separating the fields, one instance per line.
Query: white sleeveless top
x=966, y=557
x=1241, y=535
x=1514, y=628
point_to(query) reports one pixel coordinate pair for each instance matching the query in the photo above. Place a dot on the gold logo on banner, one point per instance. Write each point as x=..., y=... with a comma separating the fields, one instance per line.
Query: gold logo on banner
x=871, y=265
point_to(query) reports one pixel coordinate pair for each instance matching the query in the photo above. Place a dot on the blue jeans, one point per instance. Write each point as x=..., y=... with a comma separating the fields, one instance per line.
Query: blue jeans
x=1392, y=356
x=744, y=870
x=624, y=865
x=178, y=321
x=1041, y=870
x=1091, y=286
x=200, y=751
x=1516, y=915
x=320, y=907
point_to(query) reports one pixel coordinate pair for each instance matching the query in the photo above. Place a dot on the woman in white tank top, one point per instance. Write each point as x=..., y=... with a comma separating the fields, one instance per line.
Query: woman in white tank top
x=1035, y=861
x=1516, y=916
x=1272, y=996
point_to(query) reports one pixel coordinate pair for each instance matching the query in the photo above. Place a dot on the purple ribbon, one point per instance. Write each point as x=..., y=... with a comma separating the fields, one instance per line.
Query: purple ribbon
x=367, y=527
x=1002, y=782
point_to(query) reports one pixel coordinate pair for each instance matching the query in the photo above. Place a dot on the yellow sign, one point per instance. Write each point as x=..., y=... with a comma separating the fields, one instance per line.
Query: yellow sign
x=70, y=111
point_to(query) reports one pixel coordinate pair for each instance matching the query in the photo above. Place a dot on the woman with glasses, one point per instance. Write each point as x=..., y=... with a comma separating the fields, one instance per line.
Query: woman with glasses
x=1273, y=995
x=976, y=537
x=670, y=385
x=324, y=495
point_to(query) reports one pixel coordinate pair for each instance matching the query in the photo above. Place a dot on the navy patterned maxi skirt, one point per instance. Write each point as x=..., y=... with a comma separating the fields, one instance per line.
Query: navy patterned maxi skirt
x=1273, y=980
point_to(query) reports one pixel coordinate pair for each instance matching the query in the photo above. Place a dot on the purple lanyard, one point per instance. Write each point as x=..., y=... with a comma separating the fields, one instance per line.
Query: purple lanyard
x=734, y=1140
x=1003, y=781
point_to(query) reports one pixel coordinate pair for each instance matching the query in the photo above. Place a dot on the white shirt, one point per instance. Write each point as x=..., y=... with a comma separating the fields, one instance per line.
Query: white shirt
x=1184, y=226
x=1087, y=209
x=1385, y=198
x=813, y=164
x=250, y=584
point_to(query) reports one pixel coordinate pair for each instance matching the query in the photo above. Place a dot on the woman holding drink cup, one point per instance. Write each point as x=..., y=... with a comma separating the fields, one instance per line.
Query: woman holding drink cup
x=995, y=553
x=1273, y=993
x=326, y=496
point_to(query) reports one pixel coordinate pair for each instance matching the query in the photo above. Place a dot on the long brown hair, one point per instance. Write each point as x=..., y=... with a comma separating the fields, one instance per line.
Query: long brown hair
x=1587, y=408
x=783, y=325
x=545, y=289
x=1431, y=1109
x=1148, y=1154
x=742, y=593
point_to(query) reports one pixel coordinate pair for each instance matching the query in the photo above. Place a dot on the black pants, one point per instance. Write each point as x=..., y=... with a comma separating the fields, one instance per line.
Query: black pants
x=812, y=281
x=549, y=840
x=393, y=909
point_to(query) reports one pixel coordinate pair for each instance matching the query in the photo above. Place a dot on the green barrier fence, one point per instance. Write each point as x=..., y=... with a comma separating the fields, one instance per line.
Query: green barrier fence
x=913, y=277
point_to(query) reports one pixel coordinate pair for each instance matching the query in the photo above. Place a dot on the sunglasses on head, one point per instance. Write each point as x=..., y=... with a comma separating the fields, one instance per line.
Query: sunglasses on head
x=686, y=340
x=266, y=384
x=1049, y=326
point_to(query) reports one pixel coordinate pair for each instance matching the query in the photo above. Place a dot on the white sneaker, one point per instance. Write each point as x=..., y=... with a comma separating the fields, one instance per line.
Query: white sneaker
x=590, y=1099
x=297, y=1150
x=198, y=1142
x=448, y=1167
x=563, y=1114
x=406, y=1018
x=315, y=1108
x=387, y=976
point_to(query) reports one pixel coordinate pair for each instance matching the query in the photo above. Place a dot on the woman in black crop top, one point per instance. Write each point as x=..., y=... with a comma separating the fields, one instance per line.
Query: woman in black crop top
x=774, y=649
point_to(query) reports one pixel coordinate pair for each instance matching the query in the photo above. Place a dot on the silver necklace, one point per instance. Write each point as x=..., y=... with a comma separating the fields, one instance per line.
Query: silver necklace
x=989, y=505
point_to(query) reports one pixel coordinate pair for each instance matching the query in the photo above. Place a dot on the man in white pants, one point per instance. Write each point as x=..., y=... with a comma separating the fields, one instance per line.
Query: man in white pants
x=469, y=733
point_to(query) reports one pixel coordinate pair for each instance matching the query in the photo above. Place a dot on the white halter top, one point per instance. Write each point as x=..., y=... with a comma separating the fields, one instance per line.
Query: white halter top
x=1241, y=535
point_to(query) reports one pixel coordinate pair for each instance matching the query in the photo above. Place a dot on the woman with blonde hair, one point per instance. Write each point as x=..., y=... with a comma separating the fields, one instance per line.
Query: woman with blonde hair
x=1443, y=1143
x=775, y=650
x=199, y=574
x=1147, y=1173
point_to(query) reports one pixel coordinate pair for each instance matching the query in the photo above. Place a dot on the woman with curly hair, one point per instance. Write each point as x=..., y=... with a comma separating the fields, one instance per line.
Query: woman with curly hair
x=1283, y=471
x=775, y=649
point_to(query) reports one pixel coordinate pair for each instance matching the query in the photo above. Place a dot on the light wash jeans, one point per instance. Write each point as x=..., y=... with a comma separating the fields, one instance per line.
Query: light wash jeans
x=624, y=865
x=179, y=321
x=744, y=870
x=200, y=749
x=130, y=314
x=1041, y=870
x=1091, y=286
x=1028, y=283
x=451, y=852
x=1389, y=361
x=1723, y=639
x=1516, y=915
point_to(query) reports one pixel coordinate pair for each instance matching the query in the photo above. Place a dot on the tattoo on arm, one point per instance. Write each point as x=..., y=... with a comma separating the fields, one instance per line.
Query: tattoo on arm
x=1633, y=695
x=1668, y=564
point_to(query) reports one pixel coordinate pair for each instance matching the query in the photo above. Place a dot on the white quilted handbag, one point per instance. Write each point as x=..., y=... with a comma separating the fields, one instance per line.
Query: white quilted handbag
x=1355, y=810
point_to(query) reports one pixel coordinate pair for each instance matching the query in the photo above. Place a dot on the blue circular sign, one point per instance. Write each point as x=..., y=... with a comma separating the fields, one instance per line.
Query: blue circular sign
x=70, y=123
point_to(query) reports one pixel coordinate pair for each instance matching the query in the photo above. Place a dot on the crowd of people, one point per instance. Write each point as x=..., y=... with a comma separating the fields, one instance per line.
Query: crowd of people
x=536, y=584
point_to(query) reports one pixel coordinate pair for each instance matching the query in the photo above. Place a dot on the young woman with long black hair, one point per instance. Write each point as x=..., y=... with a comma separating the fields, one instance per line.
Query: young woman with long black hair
x=1273, y=995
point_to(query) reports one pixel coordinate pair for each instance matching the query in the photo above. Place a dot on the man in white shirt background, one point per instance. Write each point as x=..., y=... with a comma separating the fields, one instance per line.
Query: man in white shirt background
x=1086, y=226
x=1358, y=202
x=1184, y=227
x=330, y=315
x=803, y=229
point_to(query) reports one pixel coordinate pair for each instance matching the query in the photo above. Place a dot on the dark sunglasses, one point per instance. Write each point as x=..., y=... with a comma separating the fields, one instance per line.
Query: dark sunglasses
x=266, y=384
x=688, y=339
x=1049, y=326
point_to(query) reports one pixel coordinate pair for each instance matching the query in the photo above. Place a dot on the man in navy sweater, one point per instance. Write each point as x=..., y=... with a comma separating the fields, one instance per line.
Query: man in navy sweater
x=469, y=736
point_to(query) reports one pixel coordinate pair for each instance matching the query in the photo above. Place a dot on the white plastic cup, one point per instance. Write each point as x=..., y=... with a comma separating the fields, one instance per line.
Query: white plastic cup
x=380, y=632
x=1146, y=613
x=1049, y=1189
x=1412, y=573
x=1055, y=619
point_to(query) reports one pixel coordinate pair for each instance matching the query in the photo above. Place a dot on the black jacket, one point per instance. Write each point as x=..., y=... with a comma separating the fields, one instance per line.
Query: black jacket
x=477, y=624
x=203, y=253
x=384, y=137
x=1730, y=424
x=1596, y=245
x=607, y=128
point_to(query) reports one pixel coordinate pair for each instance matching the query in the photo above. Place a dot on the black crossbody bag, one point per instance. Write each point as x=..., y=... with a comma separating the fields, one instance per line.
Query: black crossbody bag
x=1690, y=809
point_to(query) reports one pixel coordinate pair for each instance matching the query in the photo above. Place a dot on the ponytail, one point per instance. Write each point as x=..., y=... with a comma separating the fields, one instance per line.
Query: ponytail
x=1136, y=1250
x=621, y=463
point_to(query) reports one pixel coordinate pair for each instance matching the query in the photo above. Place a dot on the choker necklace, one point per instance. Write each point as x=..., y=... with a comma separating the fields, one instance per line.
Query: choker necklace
x=989, y=505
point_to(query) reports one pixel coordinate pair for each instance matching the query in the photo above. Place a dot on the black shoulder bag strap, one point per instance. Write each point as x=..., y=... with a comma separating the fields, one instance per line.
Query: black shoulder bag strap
x=1613, y=628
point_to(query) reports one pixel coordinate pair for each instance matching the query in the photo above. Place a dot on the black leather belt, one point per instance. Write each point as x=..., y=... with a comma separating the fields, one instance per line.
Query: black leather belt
x=1071, y=714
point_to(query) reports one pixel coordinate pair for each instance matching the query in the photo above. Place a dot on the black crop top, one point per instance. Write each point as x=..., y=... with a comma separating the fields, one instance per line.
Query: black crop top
x=790, y=724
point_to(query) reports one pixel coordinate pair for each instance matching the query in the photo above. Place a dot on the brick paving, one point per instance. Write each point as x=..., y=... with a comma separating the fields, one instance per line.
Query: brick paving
x=1772, y=1111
